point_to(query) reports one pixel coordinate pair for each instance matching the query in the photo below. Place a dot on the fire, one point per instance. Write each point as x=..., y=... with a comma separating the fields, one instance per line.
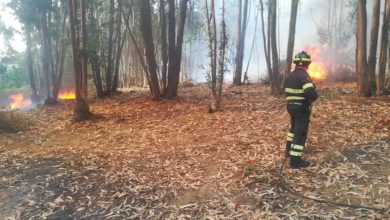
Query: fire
x=317, y=68
x=67, y=95
x=18, y=101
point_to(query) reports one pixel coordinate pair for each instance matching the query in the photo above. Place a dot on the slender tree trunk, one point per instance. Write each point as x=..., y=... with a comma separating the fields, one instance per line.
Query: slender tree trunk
x=164, y=54
x=110, y=47
x=241, y=45
x=61, y=54
x=30, y=64
x=383, y=50
x=387, y=86
x=222, y=58
x=275, y=57
x=175, y=50
x=291, y=37
x=119, y=47
x=265, y=43
x=371, y=90
x=239, y=27
x=361, y=43
x=147, y=37
x=81, y=111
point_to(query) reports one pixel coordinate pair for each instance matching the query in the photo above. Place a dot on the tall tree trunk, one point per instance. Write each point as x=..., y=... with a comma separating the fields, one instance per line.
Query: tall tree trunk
x=110, y=47
x=383, y=50
x=291, y=37
x=61, y=54
x=46, y=59
x=119, y=47
x=81, y=111
x=222, y=58
x=265, y=43
x=175, y=64
x=361, y=47
x=371, y=90
x=164, y=54
x=274, y=48
x=30, y=63
x=147, y=37
x=241, y=44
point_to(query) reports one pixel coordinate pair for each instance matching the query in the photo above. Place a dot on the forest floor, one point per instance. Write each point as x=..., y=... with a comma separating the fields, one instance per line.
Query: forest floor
x=173, y=160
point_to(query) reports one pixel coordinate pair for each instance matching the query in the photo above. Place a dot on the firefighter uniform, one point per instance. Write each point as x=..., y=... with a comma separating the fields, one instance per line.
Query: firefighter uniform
x=300, y=92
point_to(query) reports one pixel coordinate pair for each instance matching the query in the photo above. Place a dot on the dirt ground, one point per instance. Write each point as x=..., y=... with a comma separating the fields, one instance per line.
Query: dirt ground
x=173, y=160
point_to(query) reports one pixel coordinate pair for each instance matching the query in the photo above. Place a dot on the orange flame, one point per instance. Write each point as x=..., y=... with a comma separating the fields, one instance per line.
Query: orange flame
x=67, y=95
x=18, y=101
x=317, y=68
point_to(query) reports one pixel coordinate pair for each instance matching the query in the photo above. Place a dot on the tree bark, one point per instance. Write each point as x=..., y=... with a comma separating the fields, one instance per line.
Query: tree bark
x=291, y=37
x=371, y=90
x=147, y=37
x=383, y=51
x=361, y=47
x=175, y=59
x=119, y=47
x=164, y=54
x=241, y=43
x=274, y=48
x=265, y=43
x=110, y=47
x=30, y=64
x=81, y=110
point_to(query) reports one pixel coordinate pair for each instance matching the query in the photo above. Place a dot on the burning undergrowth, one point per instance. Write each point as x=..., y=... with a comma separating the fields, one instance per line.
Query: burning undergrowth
x=21, y=101
x=330, y=64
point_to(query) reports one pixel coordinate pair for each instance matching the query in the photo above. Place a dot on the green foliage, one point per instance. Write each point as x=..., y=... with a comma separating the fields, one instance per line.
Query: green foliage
x=12, y=122
x=14, y=77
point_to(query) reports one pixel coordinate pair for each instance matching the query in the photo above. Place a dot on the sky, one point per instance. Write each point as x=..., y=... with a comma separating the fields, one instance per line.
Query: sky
x=11, y=21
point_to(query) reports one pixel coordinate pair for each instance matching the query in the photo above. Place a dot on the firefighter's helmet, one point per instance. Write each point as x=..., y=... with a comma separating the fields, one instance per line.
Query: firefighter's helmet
x=302, y=59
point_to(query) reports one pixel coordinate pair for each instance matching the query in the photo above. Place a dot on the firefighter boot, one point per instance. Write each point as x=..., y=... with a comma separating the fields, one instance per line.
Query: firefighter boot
x=297, y=162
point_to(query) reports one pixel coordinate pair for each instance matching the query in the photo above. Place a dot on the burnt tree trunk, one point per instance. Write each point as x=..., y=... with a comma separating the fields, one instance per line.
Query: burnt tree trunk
x=383, y=51
x=361, y=47
x=373, y=49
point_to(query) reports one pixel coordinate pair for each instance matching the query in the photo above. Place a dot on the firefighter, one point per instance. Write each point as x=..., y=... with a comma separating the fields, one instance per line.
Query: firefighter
x=301, y=93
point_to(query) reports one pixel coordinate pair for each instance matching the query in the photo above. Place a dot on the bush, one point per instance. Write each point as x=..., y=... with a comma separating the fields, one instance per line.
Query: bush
x=12, y=122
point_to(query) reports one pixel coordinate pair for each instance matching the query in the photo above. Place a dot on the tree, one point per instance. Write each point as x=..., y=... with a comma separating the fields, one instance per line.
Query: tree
x=371, y=89
x=175, y=48
x=270, y=46
x=81, y=111
x=147, y=37
x=215, y=75
x=383, y=51
x=241, y=31
x=361, y=47
x=291, y=36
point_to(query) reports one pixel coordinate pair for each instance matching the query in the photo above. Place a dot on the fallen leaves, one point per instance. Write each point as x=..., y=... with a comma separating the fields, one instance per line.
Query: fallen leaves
x=171, y=159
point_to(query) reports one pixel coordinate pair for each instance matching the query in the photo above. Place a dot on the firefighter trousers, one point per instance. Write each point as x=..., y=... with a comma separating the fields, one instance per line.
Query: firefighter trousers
x=296, y=138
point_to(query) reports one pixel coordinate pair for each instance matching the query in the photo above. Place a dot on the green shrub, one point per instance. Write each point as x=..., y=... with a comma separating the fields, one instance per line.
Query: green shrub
x=12, y=122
